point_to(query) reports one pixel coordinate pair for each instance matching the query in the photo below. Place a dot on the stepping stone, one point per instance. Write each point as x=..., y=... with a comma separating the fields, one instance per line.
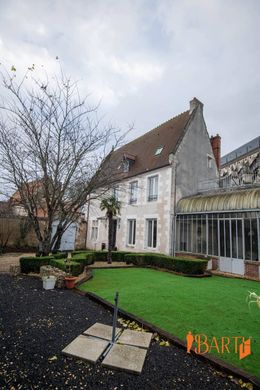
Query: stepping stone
x=138, y=339
x=125, y=357
x=101, y=331
x=86, y=348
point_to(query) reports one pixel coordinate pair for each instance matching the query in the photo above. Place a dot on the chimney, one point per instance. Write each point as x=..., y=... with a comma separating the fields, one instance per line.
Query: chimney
x=194, y=103
x=216, y=147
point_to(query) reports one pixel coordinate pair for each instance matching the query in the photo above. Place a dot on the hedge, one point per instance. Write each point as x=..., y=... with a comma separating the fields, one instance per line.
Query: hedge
x=60, y=255
x=185, y=266
x=84, y=258
x=75, y=267
x=33, y=264
x=116, y=255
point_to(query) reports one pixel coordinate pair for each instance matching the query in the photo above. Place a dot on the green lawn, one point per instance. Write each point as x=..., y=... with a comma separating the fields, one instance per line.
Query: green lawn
x=214, y=306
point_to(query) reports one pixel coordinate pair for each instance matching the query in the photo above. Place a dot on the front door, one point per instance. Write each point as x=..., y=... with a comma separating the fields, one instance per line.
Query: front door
x=231, y=246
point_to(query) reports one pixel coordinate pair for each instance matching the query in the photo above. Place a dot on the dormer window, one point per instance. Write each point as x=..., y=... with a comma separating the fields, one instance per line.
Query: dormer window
x=126, y=165
x=158, y=150
x=128, y=161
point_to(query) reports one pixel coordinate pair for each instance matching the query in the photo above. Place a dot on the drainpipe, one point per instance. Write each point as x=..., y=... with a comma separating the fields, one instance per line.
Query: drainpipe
x=87, y=223
x=173, y=162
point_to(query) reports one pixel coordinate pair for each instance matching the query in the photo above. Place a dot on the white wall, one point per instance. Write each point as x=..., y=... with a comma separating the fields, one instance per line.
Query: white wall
x=143, y=209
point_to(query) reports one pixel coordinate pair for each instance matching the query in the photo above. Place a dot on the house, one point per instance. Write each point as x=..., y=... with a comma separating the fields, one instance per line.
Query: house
x=74, y=235
x=241, y=167
x=170, y=162
x=174, y=201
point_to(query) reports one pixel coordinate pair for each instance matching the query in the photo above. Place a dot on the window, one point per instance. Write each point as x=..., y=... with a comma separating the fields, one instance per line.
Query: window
x=152, y=188
x=151, y=226
x=116, y=192
x=131, y=231
x=210, y=161
x=133, y=192
x=94, y=230
x=158, y=150
x=126, y=166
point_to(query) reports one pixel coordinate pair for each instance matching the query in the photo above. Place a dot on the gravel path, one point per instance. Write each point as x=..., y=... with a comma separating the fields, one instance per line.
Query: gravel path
x=8, y=259
x=35, y=325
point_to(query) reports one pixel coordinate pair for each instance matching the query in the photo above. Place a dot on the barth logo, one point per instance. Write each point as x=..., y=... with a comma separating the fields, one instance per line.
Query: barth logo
x=237, y=344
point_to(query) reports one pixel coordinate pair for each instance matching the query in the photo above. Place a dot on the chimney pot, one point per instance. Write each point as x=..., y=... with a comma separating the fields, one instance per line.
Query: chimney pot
x=216, y=148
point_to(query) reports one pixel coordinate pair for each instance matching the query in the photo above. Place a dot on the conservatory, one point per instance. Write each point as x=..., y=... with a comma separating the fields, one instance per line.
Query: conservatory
x=225, y=226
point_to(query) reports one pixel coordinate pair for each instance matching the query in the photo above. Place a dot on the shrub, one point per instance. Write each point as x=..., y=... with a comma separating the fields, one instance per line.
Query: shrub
x=33, y=264
x=75, y=267
x=116, y=255
x=99, y=255
x=80, y=252
x=182, y=265
x=190, y=266
x=60, y=255
x=119, y=255
x=84, y=258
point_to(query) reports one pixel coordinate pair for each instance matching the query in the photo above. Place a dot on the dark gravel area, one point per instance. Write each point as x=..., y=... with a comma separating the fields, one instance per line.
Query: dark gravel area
x=35, y=325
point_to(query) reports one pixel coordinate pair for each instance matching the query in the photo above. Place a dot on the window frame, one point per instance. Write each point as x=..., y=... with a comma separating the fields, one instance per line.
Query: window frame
x=154, y=240
x=94, y=230
x=132, y=190
x=153, y=197
x=131, y=232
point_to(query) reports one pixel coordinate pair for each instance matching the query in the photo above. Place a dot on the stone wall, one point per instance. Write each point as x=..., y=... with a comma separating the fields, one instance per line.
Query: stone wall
x=20, y=233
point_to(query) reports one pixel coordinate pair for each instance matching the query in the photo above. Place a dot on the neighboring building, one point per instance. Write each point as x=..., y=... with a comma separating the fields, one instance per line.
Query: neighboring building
x=226, y=223
x=75, y=235
x=241, y=167
x=159, y=168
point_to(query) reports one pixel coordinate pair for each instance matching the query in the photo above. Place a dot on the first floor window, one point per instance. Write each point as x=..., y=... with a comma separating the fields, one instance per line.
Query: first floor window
x=133, y=192
x=151, y=233
x=94, y=230
x=131, y=232
x=152, y=188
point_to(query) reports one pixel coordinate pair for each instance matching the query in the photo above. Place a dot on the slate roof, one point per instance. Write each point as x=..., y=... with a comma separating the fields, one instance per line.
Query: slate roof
x=142, y=150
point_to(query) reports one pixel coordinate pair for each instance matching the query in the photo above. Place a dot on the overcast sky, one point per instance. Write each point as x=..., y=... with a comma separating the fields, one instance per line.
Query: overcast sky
x=146, y=59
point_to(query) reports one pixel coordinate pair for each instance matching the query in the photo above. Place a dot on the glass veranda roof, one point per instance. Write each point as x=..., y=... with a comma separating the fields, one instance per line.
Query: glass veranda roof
x=246, y=199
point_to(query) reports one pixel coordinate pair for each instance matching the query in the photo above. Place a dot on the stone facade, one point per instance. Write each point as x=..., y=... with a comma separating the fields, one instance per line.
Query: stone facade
x=241, y=167
x=187, y=169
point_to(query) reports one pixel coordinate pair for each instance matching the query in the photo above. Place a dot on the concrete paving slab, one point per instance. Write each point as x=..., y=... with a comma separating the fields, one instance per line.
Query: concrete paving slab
x=87, y=348
x=126, y=358
x=138, y=339
x=100, y=330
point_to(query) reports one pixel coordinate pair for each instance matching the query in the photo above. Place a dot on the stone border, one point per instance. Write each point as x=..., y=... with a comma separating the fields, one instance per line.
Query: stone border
x=219, y=364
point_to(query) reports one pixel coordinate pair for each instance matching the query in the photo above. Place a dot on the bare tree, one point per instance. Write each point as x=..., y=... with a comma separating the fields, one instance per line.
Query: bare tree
x=53, y=150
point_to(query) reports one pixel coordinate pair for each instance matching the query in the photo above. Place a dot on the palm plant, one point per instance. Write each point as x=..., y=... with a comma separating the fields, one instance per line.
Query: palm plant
x=112, y=207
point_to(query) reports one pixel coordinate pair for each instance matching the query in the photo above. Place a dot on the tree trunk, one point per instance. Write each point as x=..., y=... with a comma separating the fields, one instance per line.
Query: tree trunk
x=110, y=239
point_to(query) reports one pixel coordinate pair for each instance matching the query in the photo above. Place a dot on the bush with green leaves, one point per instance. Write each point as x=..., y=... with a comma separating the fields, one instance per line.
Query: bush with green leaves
x=76, y=268
x=86, y=258
x=60, y=255
x=181, y=265
x=33, y=264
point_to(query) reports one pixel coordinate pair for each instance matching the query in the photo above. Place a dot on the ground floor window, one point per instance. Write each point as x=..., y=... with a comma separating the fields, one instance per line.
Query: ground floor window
x=131, y=225
x=151, y=238
x=94, y=230
x=230, y=235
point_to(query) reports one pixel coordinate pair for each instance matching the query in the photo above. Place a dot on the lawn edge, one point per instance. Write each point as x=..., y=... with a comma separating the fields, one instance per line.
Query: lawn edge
x=226, y=367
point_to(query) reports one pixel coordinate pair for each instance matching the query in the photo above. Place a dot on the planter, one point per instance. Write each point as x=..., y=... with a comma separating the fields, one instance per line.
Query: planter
x=49, y=282
x=70, y=282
